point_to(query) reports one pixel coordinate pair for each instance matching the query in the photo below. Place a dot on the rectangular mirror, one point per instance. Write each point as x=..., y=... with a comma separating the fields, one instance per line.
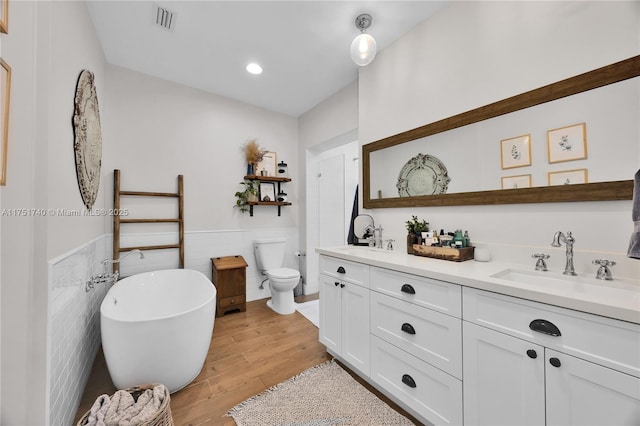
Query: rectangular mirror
x=574, y=140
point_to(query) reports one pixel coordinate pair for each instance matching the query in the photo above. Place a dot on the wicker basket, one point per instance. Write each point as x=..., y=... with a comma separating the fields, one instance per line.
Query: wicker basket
x=163, y=416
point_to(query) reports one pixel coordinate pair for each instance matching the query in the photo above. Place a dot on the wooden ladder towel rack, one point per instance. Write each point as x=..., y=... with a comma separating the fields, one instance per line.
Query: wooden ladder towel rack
x=118, y=220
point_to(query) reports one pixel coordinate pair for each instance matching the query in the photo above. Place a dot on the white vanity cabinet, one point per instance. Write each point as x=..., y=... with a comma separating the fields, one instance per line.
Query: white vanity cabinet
x=344, y=311
x=416, y=343
x=578, y=369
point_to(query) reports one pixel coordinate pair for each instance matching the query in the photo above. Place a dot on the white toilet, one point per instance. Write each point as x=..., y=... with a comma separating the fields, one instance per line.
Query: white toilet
x=269, y=254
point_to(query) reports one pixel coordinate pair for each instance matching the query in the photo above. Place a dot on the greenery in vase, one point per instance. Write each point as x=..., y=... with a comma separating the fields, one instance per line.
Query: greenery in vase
x=416, y=226
x=249, y=193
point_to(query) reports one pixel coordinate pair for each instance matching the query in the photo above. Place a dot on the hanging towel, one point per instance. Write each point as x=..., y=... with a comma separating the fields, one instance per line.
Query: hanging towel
x=634, y=243
x=351, y=238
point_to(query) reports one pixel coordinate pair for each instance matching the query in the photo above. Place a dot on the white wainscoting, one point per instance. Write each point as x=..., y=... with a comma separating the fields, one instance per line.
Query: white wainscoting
x=73, y=327
x=201, y=246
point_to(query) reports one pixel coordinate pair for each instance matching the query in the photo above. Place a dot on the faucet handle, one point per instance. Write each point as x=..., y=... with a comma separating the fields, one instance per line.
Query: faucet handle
x=541, y=265
x=604, y=273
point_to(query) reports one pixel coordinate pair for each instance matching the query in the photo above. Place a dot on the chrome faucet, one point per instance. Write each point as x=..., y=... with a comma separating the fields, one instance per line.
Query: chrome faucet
x=106, y=276
x=112, y=261
x=568, y=241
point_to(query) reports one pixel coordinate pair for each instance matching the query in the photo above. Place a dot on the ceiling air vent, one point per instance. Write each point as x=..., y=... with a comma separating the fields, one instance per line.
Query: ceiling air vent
x=165, y=18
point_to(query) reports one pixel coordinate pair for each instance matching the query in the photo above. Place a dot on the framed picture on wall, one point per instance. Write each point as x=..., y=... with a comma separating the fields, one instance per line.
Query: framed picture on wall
x=4, y=16
x=567, y=143
x=568, y=177
x=515, y=182
x=5, y=92
x=267, y=191
x=515, y=152
x=267, y=167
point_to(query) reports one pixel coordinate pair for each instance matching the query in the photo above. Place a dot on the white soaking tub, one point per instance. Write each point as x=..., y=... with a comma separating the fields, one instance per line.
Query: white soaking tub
x=156, y=327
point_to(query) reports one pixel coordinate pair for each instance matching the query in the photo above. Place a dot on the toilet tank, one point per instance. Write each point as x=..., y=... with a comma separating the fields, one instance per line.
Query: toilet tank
x=269, y=253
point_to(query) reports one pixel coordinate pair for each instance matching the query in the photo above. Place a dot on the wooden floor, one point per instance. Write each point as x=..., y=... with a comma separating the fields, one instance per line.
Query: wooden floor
x=250, y=352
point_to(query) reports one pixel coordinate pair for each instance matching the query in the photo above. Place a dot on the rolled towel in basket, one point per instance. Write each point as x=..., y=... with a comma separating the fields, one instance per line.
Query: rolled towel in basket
x=98, y=411
x=125, y=411
x=634, y=243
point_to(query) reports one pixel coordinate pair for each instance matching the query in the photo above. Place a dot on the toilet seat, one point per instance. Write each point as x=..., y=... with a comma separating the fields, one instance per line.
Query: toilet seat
x=283, y=273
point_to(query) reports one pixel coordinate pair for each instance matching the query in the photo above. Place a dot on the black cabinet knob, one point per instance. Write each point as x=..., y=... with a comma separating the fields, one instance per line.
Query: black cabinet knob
x=544, y=327
x=408, y=328
x=555, y=362
x=407, y=288
x=336, y=283
x=532, y=354
x=342, y=285
x=341, y=270
x=408, y=380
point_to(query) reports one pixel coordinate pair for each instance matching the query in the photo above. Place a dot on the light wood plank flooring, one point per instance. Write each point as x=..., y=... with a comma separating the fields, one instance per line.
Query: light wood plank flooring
x=250, y=352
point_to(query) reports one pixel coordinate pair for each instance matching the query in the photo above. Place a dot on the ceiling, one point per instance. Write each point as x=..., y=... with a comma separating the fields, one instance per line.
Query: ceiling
x=303, y=46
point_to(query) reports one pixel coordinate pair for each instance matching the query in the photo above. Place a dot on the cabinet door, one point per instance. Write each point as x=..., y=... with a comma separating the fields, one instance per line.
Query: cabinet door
x=355, y=326
x=503, y=379
x=583, y=393
x=330, y=313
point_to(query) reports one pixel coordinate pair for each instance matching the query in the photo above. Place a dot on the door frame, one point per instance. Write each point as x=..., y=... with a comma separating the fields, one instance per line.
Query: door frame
x=313, y=155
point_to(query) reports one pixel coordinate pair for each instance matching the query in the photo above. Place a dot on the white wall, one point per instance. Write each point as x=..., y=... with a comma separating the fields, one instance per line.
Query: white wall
x=473, y=53
x=47, y=46
x=156, y=130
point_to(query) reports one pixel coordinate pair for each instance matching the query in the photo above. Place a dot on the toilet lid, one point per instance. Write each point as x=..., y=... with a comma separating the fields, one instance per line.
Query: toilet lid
x=283, y=273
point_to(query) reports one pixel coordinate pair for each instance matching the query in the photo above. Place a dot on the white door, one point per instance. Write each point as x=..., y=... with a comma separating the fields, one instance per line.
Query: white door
x=331, y=226
x=582, y=393
x=503, y=379
x=355, y=326
x=330, y=313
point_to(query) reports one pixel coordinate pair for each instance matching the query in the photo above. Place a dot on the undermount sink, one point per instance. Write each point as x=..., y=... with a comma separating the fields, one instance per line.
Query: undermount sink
x=555, y=280
x=535, y=277
x=360, y=249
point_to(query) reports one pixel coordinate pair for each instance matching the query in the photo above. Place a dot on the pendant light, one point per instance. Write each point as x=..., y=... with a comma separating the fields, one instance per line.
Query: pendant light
x=363, y=47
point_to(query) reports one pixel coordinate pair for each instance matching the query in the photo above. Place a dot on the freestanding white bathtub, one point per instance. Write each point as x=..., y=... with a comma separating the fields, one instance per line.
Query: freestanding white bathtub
x=156, y=327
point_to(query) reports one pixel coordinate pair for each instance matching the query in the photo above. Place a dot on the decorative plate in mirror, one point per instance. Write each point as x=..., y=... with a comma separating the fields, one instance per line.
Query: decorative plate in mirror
x=424, y=174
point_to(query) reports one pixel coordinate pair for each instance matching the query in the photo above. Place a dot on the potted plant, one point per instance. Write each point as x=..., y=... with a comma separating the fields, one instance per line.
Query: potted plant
x=415, y=227
x=250, y=193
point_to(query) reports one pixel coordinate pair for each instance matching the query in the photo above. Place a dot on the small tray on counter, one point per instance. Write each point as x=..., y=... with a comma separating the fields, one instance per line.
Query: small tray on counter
x=445, y=253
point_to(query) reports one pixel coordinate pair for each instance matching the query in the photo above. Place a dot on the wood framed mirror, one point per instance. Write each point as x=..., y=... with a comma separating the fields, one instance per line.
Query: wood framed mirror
x=580, y=84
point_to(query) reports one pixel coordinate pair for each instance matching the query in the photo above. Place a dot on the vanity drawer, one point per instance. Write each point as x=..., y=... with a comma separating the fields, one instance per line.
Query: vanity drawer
x=431, y=393
x=231, y=301
x=353, y=272
x=431, y=336
x=440, y=296
x=605, y=341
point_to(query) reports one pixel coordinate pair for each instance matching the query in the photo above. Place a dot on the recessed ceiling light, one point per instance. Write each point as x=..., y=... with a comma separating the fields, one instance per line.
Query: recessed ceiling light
x=254, y=68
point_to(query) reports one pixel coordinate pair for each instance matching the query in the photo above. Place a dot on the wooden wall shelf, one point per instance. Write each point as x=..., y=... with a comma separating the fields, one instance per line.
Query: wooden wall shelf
x=267, y=178
x=275, y=179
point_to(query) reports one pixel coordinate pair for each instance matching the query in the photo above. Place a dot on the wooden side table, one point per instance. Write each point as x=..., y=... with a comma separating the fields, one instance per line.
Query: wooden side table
x=229, y=276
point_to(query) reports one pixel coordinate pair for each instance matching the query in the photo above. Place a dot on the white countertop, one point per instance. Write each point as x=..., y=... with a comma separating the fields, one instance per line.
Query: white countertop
x=619, y=299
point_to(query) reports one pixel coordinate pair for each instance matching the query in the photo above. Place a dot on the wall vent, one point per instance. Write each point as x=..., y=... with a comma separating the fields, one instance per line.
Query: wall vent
x=165, y=18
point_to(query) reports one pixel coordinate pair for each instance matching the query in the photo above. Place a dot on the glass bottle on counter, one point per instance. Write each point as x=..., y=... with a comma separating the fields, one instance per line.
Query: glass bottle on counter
x=458, y=239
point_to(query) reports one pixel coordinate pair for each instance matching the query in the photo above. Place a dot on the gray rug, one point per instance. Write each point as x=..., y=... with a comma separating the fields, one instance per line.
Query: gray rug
x=323, y=395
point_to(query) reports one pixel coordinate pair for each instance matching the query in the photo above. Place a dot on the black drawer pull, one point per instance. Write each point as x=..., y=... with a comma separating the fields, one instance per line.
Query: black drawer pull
x=336, y=283
x=408, y=328
x=545, y=327
x=407, y=288
x=554, y=361
x=408, y=380
x=532, y=354
x=341, y=270
x=342, y=285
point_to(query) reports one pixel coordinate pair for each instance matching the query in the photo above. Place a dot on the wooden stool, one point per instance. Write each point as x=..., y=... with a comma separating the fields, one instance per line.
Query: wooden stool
x=230, y=278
